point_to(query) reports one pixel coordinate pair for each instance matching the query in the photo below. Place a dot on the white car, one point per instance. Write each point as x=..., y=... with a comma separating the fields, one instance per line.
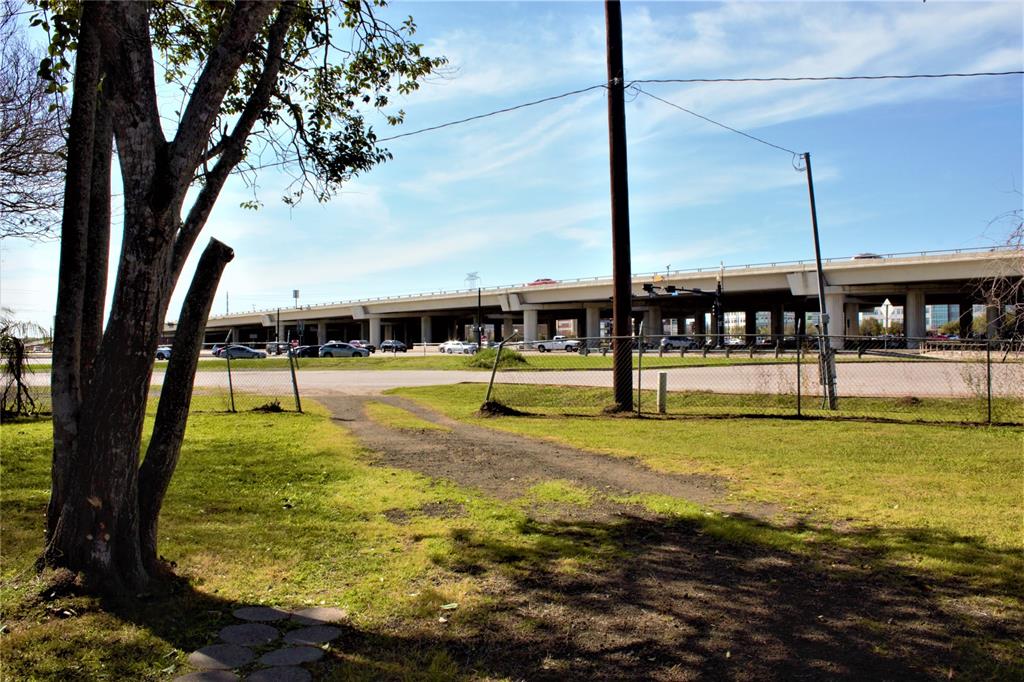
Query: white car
x=163, y=353
x=559, y=343
x=460, y=347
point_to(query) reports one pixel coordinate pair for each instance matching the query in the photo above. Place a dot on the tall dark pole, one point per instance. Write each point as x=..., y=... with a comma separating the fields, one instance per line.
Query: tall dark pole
x=479, y=322
x=622, y=276
x=827, y=361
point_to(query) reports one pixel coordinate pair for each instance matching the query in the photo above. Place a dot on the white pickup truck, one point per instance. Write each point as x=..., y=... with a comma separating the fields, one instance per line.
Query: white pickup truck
x=559, y=343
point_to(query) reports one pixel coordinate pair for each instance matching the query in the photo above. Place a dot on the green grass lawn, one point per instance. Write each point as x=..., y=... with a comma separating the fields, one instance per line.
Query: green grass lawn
x=946, y=498
x=285, y=509
x=277, y=509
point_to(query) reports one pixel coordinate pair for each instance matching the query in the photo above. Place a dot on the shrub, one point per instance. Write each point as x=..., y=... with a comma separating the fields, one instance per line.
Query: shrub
x=509, y=358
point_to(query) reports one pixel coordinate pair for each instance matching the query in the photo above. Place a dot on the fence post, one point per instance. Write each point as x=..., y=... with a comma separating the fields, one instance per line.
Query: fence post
x=494, y=369
x=231, y=388
x=799, y=341
x=662, y=392
x=988, y=375
x=639, y=367
x=295, y=384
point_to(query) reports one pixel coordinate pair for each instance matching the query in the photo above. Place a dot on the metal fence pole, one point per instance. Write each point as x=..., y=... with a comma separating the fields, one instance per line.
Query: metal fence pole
x=988, y=375
x=639, y=367
x=231, y=388
x=494, y=368
x=799, y=341
x=295, y=383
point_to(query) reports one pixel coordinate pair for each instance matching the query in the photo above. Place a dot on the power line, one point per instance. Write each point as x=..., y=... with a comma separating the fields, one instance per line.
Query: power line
x=494, y=113
x=709, y=120
x=791, y=79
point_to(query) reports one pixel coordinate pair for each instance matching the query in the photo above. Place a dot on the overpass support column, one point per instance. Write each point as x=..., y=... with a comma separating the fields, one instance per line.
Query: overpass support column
x=913, y=318
x=593, y=326
x=992, y=319
x=321, y=332
x=508, y=328
x=529, y=325
x=700, y=327
x=966, y=319
x=750, y=325
x=836, y=306
x=778, y=322
x=375, y=336
x=653, y=323
x=426, y=333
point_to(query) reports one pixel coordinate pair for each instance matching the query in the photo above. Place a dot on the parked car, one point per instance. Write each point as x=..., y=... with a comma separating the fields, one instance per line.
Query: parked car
x=278, y=347
x=559, y=343
x=163, y=353
x=239, y=352
x=460, y=347
x=339, y=349
x=305, y=352
x=677, y=343
x=393, y=346
x=363, y=343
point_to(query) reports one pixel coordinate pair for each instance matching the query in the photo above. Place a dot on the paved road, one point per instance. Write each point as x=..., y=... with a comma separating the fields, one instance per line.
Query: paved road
x=892, y=379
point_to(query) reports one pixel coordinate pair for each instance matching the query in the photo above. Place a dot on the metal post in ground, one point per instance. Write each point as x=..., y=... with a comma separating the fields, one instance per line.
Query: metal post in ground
x=988, y=375
x=231, y=388
x=494, y=368
x=662, y=392
x=799, y=342
x=295, y=384
x=639, y=367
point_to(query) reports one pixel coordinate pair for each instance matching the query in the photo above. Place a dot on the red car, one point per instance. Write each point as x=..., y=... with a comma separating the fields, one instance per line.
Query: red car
x=542, y=282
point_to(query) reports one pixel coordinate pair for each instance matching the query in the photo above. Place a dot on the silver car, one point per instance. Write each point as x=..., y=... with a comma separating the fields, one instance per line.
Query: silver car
x=239, y=352
x=339, y=349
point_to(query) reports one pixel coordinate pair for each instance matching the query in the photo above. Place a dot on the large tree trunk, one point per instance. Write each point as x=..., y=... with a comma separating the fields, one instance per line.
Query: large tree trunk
x=176, y=397
x=65, y=383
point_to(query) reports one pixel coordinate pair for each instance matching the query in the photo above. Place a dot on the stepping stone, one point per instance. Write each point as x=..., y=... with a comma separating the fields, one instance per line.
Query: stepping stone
x=249, y=634
x=264, y=614
x=320, y=615
x=286, y=674
x=220, y=657
x=295, y=655
x=208, y=676
x=315, y=635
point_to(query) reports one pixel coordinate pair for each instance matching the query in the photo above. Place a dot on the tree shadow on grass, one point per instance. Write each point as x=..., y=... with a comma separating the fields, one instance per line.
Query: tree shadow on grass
x=639, y=598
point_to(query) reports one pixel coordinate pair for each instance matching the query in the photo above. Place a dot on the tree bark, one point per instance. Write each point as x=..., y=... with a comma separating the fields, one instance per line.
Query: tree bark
x=94, y=293
x=176, y=397
x=65, y=383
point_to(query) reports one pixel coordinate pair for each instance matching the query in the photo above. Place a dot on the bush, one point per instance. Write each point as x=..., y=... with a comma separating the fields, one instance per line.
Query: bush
x=509, y=358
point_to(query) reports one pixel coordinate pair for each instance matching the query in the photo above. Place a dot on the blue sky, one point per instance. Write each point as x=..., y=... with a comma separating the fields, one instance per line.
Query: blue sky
x=899, y=165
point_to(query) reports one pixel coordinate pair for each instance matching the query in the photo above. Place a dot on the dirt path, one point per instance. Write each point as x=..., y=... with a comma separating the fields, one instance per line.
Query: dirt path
x=676, y=603
x=506, y=465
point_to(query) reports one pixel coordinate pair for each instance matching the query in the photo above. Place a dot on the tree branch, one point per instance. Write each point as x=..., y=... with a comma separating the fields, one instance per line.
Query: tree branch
x=204, y=105
x=233, y=150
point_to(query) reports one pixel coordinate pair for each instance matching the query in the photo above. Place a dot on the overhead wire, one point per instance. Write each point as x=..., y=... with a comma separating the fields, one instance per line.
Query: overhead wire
x=792, y=79
x=714, y=122
x=494, y=113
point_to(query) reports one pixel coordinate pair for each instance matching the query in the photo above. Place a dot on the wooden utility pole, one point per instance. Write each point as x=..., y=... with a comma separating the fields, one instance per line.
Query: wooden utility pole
x=622, y=275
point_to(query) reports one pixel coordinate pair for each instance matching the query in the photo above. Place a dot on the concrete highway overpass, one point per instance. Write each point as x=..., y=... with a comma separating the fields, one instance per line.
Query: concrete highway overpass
x=783, y=292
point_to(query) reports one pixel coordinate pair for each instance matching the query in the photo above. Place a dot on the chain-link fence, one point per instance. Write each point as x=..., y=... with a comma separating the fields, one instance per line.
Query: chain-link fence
x=930, y=380
x=237, y=378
